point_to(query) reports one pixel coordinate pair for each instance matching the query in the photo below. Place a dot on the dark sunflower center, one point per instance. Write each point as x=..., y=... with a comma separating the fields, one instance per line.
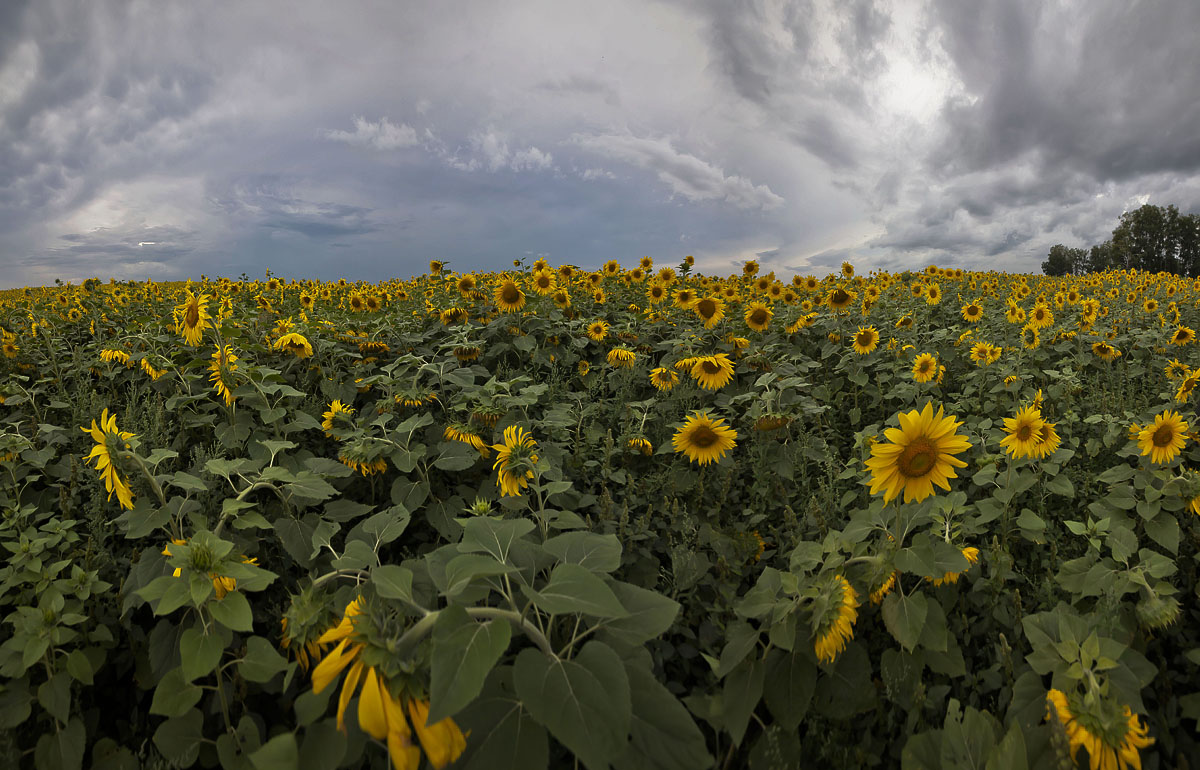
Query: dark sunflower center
x=707, y=308
x=864, y=339
x=924, y=366
x=1164, y=436
x=510, y=293
x=710, y=367
x=192, y=317
x=758, y=317
x=543, y=281
x=840, y=297
x=917, y=459
x=1024, y=433
x=703, y=437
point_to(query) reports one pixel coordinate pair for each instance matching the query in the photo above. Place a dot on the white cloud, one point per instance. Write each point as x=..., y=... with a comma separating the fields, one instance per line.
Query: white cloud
x=686, y=175
x=380, y=135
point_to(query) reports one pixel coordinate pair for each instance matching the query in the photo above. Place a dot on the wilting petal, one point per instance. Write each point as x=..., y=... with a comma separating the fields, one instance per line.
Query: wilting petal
x=330, y=666
x=348, y=688
x=443, y=742
x=371, y=715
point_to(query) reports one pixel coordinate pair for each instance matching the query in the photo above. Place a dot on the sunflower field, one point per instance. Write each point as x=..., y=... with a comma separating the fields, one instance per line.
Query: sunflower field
x=631, y=518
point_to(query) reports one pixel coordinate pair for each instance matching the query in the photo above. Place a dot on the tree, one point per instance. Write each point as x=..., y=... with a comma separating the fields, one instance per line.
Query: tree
x=1058, y=262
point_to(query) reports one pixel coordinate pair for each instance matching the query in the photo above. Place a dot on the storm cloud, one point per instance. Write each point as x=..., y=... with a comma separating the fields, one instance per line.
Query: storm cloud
x=359, y=140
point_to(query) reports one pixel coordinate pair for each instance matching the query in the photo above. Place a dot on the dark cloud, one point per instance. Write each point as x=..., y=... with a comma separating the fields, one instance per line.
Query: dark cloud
x=268, y=204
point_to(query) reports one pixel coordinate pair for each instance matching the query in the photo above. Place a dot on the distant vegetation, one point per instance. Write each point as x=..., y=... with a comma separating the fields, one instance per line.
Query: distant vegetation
x=1150, y=238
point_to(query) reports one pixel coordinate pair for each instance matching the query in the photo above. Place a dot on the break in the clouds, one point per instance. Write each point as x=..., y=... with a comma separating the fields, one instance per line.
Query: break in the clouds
x=359, y=139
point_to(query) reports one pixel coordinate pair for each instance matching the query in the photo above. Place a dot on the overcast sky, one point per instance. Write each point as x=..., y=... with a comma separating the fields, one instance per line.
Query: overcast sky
x=361, y=138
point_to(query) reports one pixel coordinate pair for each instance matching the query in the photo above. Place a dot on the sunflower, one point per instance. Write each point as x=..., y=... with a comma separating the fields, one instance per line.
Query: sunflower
x=224, y=364
x=904, y=322
x=463, y=434
x=1041, y=316
x=1030, y=337
x=925, y=367
x=108, y=439
x=509, y=297
x=1183, y=336
x=296, y=344
x=1024, y=432
x=640, y=444
x=621, y=358
x=1165, y=438
x=839, y=298
x=656, y=293
x=149, y=369
x=192, y=318
x=467, y=353
x=1175, y=370
x=544, y=282
x=584, y=368
x=561, y=299
x=663, y=378
x=1105, y=352
x=750, y=268
x=703, y=439
x=758, y=316
x=865, y=340
x=713, y=372
x=836, y=626
x=971, y=555
x=514, y=461
x=972, y=312
x=933, y=294
x=337, y=418
x=10, y=348
x=884, y=588
x=357, y=303
x=380, y=713
x=1186, y=387
x=1110, y=749
x=710, y=310
x=597, y=330
x=984, y=353
x=919, y=454
x=1047, y=441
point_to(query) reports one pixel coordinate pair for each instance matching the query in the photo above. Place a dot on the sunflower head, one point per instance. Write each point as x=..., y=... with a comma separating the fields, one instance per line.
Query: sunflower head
x=865, y=340
x=1163, y=439
x=515, y=461
x=703, y=439
x=917, y=455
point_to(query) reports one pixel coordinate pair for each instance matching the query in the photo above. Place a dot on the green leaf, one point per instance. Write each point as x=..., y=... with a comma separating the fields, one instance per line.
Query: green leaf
x=1116, y=475
x=649, y=616
x=788, y=687
x=199, y=652
x=55, y=696
x=279, y=753
x=233, y=612
x=310, y=486
x=598, y=553
x=584, y=702
x=1060, y=485
x=504, y=736
x=741, y=638
x=663, y=734
x=904, y=617
x=323, y=747
x=345, y=510
x=16, y=703
x=495, y=536
x=464, y=652
x=743, y=690
x=573, y=589
x=845, y=688
x=62, y=749
x=1164, y=530
x=174, y=695
x=187, y=482
x=262, y=661
x=464, y=568
x=456, y=456
x=393, y=582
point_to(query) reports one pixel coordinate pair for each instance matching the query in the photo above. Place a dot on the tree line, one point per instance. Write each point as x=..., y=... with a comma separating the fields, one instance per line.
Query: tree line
x=1151, y=238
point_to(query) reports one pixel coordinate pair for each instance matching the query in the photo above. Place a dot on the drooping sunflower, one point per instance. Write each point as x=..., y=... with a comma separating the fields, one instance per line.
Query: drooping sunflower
x=621, y=358
x=192, y=318
x=115, y=356
x=758, y=316
x=710, y=310
x=1164, y=438
x=514, y=461
x=917, y=455
x=1107, y=749
x=904, y=322
x=640, y=444
x=1183, y=336
x=1175, y=370
x=865, y=340
x=1187, y=386
x=597, y=330
x=713, y=372
x=110, y=439
x=337, y=419
x=1024, y=432
x=663, y=378
x=224, y=364
x=971, y=554
x=925, y=367
x=703, y=439
x=295, y=343
x=509, y=297
x=464, y=434
x=835, y=627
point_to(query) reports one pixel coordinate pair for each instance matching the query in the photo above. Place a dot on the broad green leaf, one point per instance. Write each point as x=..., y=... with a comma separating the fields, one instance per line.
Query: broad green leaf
x=464, y=568
x=495, y=536
x=743, y=689
x=904, y=617
x=663, y=734
x=262, y=661
x=174, y=695
x=788, y=687
x=573, y=589
x=649, y=616
x=584, y=702
x=598, y=553
x=504, y=736
x=178, y=739
x=54, y=695
x=393, y=582
x=279, y=753
x=233, y=612
x=464, y=652
x=199, y=652
x=62, y=749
